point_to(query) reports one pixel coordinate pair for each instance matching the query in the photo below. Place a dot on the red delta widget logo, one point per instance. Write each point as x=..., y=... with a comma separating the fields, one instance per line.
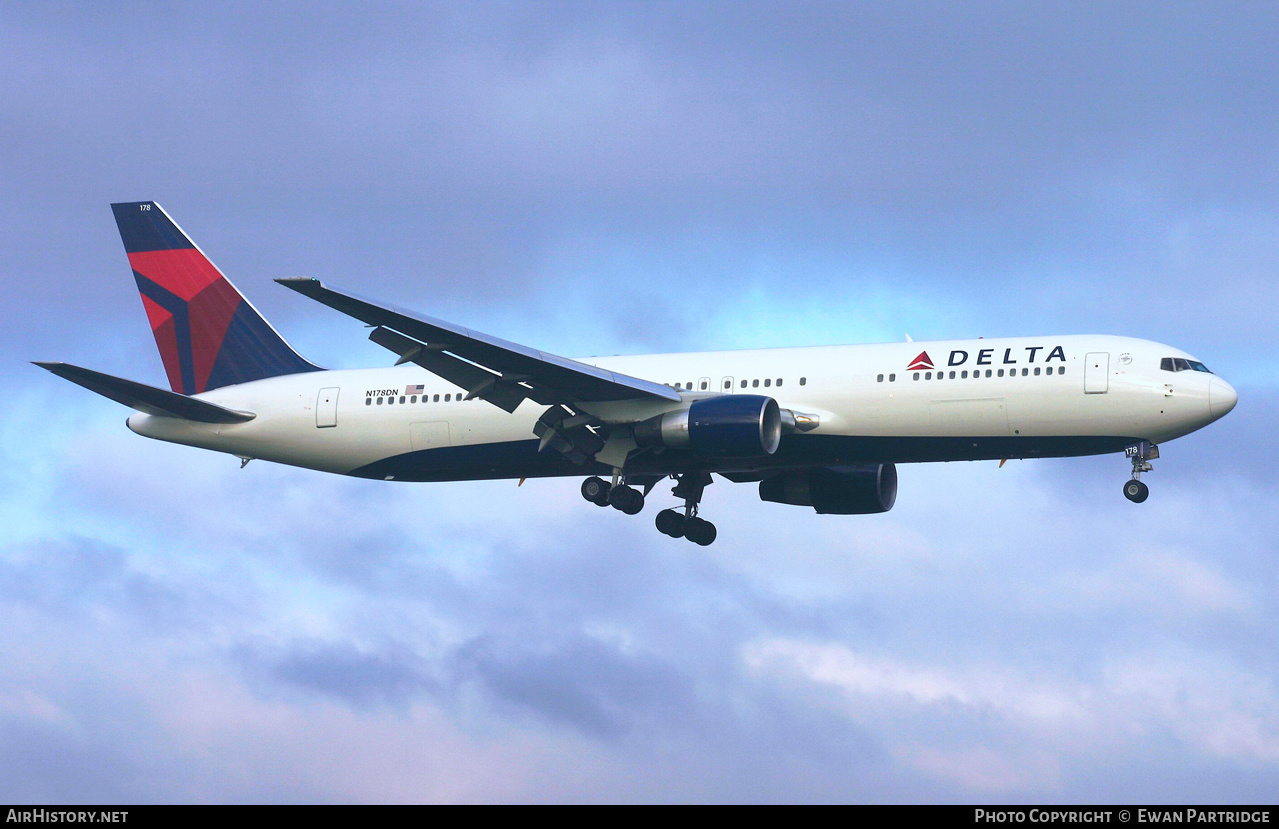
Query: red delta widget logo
x=923, y=361
x=985, y=357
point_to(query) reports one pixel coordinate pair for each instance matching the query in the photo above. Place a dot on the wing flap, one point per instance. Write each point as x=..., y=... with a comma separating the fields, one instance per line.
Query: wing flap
x=147, y=399
x=545, y=378
x=479, y=382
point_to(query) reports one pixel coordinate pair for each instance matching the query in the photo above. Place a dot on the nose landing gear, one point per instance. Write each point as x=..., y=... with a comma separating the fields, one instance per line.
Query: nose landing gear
x=1141, y=454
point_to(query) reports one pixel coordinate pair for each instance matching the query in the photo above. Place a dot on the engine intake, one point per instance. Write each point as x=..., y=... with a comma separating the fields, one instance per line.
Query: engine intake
x=854, y=489
x=731, y=425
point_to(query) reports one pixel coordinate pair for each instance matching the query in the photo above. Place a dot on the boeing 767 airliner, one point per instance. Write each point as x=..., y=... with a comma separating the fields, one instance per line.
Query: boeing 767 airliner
x=820, y=427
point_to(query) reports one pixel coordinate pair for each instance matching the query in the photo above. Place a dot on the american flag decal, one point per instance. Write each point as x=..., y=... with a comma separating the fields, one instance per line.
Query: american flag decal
x=414, y=389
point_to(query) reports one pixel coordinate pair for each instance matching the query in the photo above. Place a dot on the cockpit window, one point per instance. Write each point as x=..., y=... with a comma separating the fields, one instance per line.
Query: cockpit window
x=1182, y=364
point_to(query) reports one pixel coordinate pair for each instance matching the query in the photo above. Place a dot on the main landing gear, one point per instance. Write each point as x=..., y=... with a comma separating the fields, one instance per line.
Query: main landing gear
x=1141, y=454
x=618, y=496
x=677, y=523
x=685, y=523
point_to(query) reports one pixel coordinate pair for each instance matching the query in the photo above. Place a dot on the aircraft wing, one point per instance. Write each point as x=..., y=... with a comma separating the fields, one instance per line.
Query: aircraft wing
x=501, y=372
x=147, y=399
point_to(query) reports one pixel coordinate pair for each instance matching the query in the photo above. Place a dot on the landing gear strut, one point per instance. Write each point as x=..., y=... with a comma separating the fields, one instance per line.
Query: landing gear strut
x=1141, y=454
x=686, y=524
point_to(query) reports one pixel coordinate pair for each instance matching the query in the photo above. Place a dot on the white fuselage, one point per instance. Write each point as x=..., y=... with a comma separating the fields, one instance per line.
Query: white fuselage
x=966, y=399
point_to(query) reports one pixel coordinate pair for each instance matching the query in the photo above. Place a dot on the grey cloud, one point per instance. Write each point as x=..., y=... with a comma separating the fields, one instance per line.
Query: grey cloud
x=45, y=763
x=80, y=579
x=582, y=683
x=357, y=677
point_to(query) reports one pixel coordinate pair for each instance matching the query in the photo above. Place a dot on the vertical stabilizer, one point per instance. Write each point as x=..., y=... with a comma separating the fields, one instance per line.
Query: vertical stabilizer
x=207, y=332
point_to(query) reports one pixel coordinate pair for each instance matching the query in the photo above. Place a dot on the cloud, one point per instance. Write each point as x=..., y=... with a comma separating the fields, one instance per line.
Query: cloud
x=1034, y=723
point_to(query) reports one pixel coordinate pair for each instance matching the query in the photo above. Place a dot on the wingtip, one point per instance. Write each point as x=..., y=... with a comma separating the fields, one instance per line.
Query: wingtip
x=305, y=285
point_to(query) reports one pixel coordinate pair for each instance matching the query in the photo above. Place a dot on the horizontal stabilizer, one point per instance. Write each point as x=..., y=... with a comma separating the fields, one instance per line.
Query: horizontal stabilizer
x=147, y=399
x=513, y=371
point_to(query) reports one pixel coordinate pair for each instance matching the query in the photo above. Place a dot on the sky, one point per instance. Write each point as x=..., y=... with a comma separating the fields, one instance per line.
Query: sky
x=617, y=178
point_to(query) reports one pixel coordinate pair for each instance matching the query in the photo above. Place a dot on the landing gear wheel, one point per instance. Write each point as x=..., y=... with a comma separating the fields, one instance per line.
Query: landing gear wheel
x=596, y=490
x=700, y=531
x=671, y=522
x=1136, y=491
x=626, y=499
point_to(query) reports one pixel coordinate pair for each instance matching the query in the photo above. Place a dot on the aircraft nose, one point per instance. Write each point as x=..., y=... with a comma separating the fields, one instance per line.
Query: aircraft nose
x=1222, y=397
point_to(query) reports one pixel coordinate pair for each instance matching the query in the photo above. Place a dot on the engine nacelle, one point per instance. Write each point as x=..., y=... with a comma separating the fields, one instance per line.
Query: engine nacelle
x=728, y=426
x=854, y=489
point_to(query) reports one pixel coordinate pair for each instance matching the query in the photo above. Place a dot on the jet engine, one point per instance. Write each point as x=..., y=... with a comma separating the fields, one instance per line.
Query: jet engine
x=731, y=426
x=853, y=489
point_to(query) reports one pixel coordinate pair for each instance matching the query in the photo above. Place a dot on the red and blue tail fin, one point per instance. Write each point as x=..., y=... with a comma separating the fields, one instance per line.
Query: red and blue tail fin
x=208, y=334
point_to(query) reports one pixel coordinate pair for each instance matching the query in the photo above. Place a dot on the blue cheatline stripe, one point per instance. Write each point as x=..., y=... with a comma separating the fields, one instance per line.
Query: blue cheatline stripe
x=177, y=306
x=144, y=230
x=515, y=459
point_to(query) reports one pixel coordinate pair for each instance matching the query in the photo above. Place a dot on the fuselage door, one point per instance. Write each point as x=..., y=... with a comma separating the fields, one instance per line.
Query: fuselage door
x=1097, y=373
x=326, y=408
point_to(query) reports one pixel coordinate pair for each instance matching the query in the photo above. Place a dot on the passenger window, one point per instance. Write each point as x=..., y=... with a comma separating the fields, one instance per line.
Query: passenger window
x=803, y=381
x=963, y=375
x=768, y=383
x=743, y=384
x=928, y=375
x=879, y=379
x=952, y=375
x=917, y=375
x=437, y=399
x=728, y=384
x=368, y=401
x=379, y=401
x=448, y=398
x=1036, y=371
x=988, y=372
x=892, y=378
x=754, y=384
x=401, y=399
